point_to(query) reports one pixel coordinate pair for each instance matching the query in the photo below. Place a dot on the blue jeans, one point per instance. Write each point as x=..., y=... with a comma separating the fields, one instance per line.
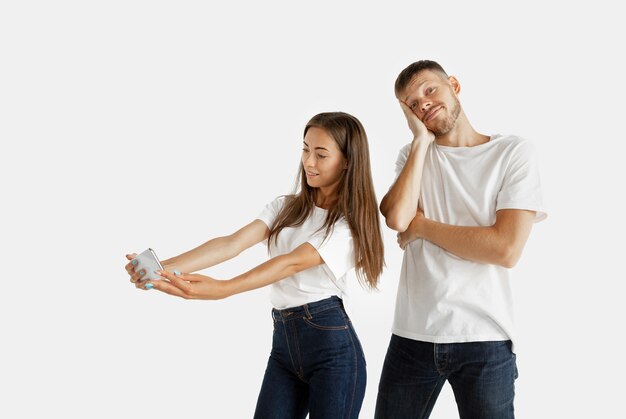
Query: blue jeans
x=316, y=365
x=482, y=376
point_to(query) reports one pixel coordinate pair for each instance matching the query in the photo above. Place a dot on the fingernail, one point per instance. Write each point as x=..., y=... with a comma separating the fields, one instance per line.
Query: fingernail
x=176, y=272
x=142, y=272
x=149, y=286
x=134, y=262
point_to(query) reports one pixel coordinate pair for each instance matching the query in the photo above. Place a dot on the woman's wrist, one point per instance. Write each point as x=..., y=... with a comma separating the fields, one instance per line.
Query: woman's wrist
x=231, y=286
x=169, y=265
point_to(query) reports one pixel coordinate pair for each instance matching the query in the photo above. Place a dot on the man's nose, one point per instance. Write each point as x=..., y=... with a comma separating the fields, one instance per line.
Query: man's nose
x=425, y=105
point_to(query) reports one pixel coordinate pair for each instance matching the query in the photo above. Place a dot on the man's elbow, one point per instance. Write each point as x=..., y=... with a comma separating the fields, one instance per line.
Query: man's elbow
x=393, y=217
x=396, y=222
x=508, y=256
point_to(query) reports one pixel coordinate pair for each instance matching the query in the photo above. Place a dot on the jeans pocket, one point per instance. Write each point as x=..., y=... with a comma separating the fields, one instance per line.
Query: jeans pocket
x=331, y=319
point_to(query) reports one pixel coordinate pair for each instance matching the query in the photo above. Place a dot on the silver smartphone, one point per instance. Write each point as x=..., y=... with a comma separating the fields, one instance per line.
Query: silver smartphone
x=149, y=262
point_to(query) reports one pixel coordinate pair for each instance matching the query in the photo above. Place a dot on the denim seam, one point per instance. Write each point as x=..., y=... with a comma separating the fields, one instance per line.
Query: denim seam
x=354, y=360
x=356, y=372
x=328, y=306
x=327, y=328
x=299, y=370
x=289, y=347
x=430, y=396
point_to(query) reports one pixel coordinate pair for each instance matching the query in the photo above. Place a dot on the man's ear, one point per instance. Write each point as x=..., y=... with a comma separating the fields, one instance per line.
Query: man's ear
x=456, y=86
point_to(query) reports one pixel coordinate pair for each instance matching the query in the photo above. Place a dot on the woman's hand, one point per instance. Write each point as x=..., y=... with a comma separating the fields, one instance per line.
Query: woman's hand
x=130, y=269
x=135, y=276
x=189, y=286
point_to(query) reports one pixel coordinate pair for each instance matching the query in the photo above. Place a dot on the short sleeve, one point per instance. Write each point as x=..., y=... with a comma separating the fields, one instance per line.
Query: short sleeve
x=521, y=188
x=271, y=210
x=403, y=155
x=337, y=250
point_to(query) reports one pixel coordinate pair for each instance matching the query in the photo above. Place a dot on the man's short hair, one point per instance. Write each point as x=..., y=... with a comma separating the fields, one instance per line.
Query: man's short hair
x=405, y=76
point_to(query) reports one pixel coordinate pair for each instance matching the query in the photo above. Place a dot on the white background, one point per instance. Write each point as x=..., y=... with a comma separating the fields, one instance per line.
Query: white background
x=134, y=124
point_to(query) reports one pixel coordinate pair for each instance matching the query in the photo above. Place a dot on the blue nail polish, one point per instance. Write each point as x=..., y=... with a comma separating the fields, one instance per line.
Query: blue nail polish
x=142, y=272
x=149, y=286
x=176, y=272
x=134, y=262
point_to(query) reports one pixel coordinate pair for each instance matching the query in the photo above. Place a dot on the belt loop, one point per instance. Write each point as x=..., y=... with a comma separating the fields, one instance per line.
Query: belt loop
x=306, y=310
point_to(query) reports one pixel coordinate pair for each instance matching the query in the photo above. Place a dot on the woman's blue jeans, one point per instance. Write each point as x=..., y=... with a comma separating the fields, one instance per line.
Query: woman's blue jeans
x=482, y=376
x=316, y=366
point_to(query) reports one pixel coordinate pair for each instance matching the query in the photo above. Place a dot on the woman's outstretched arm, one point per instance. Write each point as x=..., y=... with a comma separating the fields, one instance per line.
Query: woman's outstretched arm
x=211, y=253
x=195, y=286
x=219, y=249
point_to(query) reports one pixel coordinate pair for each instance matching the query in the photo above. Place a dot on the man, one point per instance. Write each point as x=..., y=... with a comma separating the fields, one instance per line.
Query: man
x=463, y=204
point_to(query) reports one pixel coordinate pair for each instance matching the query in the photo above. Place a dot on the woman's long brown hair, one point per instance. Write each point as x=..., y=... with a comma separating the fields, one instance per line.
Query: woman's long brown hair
x=356, y=197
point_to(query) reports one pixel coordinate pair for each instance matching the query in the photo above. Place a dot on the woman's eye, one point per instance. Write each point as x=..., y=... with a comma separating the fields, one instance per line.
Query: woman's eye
x=304, y=150
x=321, y=156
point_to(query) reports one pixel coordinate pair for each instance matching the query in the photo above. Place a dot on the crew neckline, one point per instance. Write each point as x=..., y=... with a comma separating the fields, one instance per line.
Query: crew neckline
x=492, y=138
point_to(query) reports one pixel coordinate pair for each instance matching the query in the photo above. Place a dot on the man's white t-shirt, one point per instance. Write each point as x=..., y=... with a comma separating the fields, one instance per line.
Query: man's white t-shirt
x=443, y=298
x=318, y=282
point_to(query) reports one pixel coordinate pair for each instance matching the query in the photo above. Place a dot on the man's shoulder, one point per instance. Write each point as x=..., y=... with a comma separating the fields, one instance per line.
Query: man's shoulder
x=509, y=143
x=403, y=154
x=405, y=149
x=510, y=140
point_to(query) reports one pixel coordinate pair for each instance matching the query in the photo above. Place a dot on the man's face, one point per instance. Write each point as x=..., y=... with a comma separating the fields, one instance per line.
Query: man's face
x=433, y=99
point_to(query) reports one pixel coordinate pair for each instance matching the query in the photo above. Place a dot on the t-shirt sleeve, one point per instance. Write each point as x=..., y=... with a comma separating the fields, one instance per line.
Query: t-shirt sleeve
x=521, y=188
x=271, y=210
x=403, y=155
x=337, y=250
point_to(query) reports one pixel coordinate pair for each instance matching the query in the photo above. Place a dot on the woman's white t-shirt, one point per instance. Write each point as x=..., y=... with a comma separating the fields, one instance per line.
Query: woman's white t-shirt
x=319, y=282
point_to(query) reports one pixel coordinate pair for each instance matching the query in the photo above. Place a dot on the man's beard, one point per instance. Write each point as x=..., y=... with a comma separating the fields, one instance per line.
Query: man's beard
x=445, y=126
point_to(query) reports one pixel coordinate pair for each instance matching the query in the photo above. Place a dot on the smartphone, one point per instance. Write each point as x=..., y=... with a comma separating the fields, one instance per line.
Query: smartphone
x=149, y=262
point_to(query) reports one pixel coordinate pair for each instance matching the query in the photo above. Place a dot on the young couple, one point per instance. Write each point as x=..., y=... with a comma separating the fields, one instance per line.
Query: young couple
x=463, y=204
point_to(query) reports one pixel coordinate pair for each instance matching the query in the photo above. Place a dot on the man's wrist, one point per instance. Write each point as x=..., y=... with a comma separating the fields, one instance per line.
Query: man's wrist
x=420, y=142
x=422, y=227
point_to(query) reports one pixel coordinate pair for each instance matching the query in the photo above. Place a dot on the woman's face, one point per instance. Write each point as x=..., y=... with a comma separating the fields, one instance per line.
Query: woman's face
x=322, y=159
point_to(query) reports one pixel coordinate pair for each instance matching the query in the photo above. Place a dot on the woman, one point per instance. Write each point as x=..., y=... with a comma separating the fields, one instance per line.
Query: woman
x=315, y=237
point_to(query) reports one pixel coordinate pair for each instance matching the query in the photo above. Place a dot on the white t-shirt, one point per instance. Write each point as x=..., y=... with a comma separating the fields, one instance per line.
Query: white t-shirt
x=318, y=282
x=443, y=298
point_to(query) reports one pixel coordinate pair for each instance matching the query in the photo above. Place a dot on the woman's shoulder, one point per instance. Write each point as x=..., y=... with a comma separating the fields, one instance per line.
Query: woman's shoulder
x=281, y=200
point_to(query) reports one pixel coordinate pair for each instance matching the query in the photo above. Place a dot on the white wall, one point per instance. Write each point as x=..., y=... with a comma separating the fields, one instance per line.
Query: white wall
x=134, y=124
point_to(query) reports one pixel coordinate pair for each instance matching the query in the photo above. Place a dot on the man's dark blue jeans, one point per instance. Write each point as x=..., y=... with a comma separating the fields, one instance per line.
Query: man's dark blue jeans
x=316, y=365
x=482, y=376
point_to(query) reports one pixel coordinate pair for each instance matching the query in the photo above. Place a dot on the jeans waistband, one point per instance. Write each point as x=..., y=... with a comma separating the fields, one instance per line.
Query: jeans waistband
x=306, y=310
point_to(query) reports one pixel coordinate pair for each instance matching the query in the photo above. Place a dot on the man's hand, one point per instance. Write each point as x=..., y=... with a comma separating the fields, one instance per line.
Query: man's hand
x=417, y=127
x=411, y=233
